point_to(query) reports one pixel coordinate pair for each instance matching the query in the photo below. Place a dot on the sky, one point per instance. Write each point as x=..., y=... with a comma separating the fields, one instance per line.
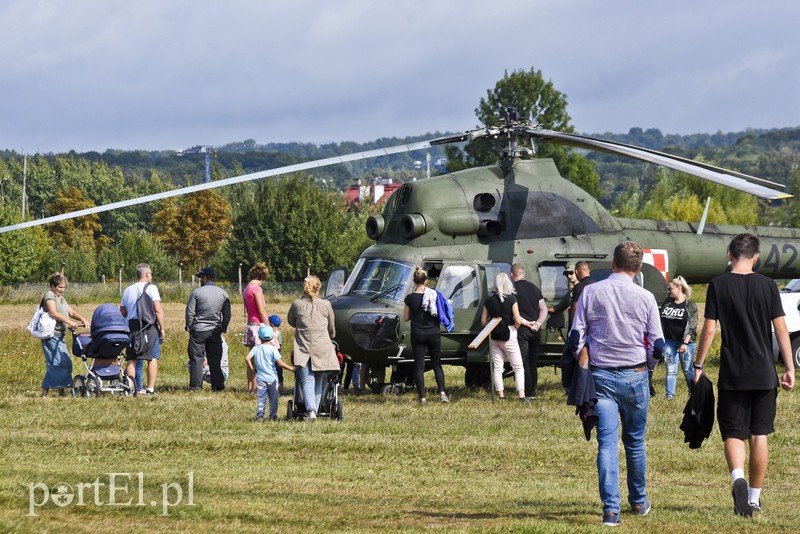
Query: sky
x=160, y=75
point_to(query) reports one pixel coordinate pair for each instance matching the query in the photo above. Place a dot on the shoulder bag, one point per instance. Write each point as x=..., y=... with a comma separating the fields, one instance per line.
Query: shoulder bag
x=42, y=325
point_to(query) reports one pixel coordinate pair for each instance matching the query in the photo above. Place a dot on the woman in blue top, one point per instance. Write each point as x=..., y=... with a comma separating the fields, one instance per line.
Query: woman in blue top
x=56, y=357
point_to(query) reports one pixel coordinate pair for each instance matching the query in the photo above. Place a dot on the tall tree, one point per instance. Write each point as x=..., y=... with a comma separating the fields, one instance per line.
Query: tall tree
x=193, y=229
x=291, y=224
x=132, y=248
x=535, y=99
x=21, y=251
x=63, y=232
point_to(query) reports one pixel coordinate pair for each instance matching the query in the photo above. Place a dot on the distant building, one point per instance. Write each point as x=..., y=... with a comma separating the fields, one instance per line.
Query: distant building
x=378, y=191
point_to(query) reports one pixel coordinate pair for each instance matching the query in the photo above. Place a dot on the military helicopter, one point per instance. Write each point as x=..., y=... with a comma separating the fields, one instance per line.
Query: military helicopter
x=465, y=227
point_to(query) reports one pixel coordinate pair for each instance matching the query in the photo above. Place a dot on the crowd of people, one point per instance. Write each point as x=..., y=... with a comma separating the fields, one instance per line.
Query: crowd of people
x=617, y=322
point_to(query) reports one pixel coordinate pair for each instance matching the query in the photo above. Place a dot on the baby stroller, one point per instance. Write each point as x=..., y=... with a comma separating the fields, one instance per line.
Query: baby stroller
x=109, y=337
x=330, y=404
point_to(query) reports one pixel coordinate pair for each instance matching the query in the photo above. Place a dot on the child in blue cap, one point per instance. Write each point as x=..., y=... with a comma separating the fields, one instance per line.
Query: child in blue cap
x=264, y=360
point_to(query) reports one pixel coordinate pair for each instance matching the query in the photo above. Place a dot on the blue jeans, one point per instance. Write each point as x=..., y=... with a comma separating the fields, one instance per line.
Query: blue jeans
x=671, y=359
x=264, y=390
x=311, y=382
x=140, y=363
x=621, y=395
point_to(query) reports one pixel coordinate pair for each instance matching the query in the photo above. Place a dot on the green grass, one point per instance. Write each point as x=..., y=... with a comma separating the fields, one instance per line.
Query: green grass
x=472, y=465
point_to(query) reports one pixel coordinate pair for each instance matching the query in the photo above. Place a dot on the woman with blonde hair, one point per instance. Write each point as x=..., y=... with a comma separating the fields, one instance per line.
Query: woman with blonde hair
x=679, y=323
x=314, y=354
x=255, y=307
x=503, y=339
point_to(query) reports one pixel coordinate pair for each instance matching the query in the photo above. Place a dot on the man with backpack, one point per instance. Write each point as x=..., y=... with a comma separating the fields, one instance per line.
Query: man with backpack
x=141, y=305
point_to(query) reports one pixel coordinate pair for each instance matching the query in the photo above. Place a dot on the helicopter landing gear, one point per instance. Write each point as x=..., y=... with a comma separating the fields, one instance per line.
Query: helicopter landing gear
x=477, y=375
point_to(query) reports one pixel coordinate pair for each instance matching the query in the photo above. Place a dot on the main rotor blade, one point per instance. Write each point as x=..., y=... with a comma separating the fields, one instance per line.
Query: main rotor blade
x=368, y=154
x=735, y=180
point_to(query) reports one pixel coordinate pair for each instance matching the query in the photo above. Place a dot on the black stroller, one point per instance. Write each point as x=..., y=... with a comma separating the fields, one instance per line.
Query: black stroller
x=330, y=404
x=109, y=337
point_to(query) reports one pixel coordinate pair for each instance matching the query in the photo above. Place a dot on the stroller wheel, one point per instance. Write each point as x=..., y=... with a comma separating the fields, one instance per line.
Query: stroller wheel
x=129, y=388
x=94, y=388
x=339, y=410
x=289, y=411
x=78, y=386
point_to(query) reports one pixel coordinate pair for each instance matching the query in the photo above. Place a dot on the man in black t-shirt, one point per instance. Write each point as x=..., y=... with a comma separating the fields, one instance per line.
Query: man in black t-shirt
x=748, y=306
x=580, y=277
x=533, y=308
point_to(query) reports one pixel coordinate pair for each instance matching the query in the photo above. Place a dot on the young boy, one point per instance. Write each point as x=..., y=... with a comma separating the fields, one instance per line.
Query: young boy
x=277, y=341
x=264, y=360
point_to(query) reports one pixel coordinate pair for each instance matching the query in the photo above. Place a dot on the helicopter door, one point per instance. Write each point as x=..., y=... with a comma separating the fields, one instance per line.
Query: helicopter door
x=459, y=285
x=336, y=282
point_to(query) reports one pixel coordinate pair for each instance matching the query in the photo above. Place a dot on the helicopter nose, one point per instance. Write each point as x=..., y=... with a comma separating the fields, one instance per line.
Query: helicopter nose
x=374, y=331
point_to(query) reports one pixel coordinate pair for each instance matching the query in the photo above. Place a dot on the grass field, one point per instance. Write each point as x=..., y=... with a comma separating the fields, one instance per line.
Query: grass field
x=472, y=465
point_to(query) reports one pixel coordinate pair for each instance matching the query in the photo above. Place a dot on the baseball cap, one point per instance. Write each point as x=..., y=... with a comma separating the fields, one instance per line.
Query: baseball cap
x=265, y=333
x=275, y=320
x=208, y=272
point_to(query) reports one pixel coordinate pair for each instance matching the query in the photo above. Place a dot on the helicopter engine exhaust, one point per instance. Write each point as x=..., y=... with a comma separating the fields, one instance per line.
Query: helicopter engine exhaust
x=413, y=225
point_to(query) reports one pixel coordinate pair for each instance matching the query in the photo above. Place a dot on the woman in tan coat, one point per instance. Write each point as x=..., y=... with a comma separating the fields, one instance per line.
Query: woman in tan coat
x=312, y=318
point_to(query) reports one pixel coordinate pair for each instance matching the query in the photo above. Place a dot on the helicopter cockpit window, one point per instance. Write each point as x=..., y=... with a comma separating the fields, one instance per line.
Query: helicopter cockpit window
x=459, y=285
x=354, y=274
x=553, y=281
x=492, y=270
x=381, y=279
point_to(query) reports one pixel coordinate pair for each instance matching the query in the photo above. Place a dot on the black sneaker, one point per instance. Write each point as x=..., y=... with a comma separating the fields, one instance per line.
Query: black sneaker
x=739, y=493
x=756, y=506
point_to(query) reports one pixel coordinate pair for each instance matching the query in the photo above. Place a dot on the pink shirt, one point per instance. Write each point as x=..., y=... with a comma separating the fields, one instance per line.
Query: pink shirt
x=249, y=295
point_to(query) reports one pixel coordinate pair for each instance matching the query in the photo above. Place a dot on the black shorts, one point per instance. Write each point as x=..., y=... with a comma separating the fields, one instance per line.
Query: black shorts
x=130, y=355
x=742, y=414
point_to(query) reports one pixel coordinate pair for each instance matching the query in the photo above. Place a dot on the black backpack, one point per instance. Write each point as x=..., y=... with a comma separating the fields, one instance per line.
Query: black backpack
x=144, y=331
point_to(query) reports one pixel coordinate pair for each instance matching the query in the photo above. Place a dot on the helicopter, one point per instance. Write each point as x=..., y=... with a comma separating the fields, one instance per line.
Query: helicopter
x=465, y=227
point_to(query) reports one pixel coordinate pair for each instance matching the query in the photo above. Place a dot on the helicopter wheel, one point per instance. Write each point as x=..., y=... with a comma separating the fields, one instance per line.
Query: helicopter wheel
x=477, y=375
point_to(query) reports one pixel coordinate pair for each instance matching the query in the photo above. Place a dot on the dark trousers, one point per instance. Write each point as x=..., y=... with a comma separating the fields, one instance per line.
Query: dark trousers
x=432, y=343
x=206, y=344
x=529, y=342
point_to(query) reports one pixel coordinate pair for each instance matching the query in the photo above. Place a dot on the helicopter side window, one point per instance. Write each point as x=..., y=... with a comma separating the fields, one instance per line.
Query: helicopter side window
x=553, y=281
x=459, y=285
x=492, y=270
